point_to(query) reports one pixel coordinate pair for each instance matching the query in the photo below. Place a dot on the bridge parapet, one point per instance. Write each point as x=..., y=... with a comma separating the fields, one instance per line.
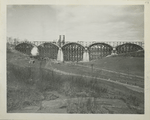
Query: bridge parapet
x=83, y=43
x=117, y=43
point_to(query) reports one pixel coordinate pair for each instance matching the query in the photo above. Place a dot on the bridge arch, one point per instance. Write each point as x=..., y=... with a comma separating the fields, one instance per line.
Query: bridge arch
x=127, y=48
x=73, y=51
x=24, y=47
x=99, y=50
x=49, y=50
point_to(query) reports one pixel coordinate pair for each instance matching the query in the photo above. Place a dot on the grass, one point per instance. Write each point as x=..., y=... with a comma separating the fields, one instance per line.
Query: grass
x=35, y=85
x=132, y=65
x=99, y=73
x=83, y=106
x=17, y=99
x=27, y=85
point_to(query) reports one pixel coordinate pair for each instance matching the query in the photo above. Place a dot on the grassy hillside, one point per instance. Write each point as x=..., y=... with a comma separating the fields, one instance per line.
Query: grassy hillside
x=131, y=65
x=32, y=88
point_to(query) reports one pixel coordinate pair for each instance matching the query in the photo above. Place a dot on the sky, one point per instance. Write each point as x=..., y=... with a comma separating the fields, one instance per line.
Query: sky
x=76, y=22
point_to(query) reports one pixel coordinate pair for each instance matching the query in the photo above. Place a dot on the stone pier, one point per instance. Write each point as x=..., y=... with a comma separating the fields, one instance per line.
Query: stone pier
x=60, y=55
x=114, y=52
x=86, y=55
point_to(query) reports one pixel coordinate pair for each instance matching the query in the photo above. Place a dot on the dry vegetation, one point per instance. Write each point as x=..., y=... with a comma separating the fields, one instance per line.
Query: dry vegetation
x=29, y=85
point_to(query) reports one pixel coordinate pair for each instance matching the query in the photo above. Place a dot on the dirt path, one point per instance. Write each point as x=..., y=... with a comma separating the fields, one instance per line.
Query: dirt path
x=132, y=87
x=112, y=71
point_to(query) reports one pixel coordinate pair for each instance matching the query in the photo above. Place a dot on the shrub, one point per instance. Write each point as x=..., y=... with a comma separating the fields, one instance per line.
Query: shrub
x=17, y=99
x=83, y=105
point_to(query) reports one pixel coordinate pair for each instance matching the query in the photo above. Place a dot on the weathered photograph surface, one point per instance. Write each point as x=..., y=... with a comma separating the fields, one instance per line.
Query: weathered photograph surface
x=75, y=59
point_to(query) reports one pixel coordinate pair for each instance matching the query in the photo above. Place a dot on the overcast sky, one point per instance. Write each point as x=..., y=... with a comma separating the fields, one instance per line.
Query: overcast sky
x=77, y=23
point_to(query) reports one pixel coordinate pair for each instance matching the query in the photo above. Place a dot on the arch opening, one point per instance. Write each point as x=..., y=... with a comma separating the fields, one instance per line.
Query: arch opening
x=99, y=50
x=49, y=50
x=73, y=52
x=24, y=48
x=127, y=48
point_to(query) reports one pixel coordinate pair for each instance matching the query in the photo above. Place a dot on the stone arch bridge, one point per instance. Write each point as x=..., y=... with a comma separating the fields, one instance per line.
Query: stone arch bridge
x=74, y=51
